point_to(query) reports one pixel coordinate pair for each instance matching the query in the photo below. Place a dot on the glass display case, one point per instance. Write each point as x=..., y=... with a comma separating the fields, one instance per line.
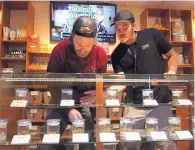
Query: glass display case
x=139, y=116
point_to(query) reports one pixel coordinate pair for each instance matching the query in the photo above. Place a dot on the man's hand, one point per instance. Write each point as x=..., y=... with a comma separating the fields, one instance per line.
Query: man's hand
x=90, y=98
x=74, y=114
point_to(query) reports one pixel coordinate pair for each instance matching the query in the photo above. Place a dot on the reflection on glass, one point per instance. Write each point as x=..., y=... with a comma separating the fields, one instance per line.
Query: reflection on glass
x=3, y=131
x=151, y=125
x=24, y=127
x=53, y=126
x=104, y=125
x=78, y=126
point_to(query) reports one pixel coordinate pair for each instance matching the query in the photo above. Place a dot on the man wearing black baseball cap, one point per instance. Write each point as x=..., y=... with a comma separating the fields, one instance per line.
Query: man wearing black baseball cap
x=140, y=52
x=77, y=54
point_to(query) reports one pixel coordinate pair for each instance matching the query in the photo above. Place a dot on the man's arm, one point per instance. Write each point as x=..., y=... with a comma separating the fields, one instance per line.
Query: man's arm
x=172, y=62
x=167, y=49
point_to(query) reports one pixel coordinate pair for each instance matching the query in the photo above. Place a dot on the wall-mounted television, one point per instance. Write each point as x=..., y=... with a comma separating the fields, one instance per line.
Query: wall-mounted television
x=63, y=15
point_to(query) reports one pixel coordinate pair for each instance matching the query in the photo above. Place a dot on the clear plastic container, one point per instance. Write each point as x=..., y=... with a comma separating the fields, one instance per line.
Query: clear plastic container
x=147, y=94
x=126, y=124
x=21, y=94
x=111, y=94
x=78, y=126
x=176, y=94
x=24, y=127
x=67, y=94
x=174, y=125
x=3, y=130
x=104, y=125
x=53, y=126
x=151, y=125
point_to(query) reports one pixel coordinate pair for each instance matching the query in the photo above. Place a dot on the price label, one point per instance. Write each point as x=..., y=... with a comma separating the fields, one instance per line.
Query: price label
x=19, y=103
x=33, y=111
x=51, y=138
x=185, y=102
x=184, y=135
x=80, y=137
x=159, y=136
x=107, y=137
x=149, y=102
x=132, y=136
x=67, y=103
x=34, y=93
x=21, y=139
x=112, y=102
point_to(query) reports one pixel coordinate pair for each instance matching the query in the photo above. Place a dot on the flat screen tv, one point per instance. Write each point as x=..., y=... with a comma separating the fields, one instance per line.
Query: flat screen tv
x=63, y=15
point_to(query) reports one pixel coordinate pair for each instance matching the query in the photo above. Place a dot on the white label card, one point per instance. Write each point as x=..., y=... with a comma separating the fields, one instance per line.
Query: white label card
x=19, y=103
x=33, y=111
x=184, y=135
x=21, y=139
x=51, y=138
x=149, y=102
x=132, y=136
x=80, y=137
x=112, y=102
x=185, y=102
x=67, y=103
x=34, y=93
x=159, y=136
x=107, y=137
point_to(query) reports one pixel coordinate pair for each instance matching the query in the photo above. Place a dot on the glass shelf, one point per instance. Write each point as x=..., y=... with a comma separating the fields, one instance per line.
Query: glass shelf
x=93, y=78
x=66, y=139
x=54, y=106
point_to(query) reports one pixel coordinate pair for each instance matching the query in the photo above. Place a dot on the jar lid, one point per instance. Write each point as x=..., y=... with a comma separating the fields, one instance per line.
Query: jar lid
x=111, y=92
x=152, y=120
x=177, y=92
x=24, y=122
x=126, y=120
x=3, y=121
x=103, y=121
x=53, y=122
x=147, y=92
x=68, y=91
x=174, y=120
x=78, y=121
x=22, y=90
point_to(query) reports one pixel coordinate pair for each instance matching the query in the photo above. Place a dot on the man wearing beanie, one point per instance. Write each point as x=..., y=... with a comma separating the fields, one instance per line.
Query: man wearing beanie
x=77, y=54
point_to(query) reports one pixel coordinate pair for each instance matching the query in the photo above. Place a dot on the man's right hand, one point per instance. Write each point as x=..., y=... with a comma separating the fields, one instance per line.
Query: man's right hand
x=74, y=114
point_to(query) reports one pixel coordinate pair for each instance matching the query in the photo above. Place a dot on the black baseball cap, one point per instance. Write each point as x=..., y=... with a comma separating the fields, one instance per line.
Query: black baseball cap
x=85, y=26
x=124, y=15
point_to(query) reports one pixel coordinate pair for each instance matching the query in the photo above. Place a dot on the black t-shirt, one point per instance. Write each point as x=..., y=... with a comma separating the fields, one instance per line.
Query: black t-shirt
x=147, y=59
x=150, y=45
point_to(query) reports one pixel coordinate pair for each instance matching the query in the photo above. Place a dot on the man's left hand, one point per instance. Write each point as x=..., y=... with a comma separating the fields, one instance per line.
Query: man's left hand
x=90, y=98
